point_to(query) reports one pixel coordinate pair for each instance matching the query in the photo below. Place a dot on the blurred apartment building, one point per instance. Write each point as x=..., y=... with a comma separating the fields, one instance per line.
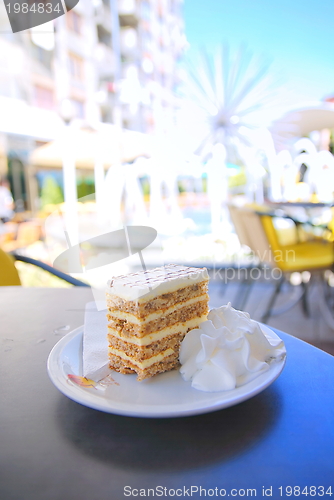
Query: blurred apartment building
x=92, y=65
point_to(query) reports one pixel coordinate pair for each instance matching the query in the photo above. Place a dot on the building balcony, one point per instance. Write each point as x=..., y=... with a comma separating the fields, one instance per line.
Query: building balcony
x=128, y=12
x=103, y=17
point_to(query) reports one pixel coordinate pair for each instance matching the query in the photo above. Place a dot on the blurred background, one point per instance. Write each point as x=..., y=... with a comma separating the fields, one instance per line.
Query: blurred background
x=170, y=114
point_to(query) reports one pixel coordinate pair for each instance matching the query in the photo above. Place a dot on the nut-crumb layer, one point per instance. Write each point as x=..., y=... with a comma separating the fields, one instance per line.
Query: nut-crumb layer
x=159, y=303
x=140, y=353
x=127, y=368
x=178, y=316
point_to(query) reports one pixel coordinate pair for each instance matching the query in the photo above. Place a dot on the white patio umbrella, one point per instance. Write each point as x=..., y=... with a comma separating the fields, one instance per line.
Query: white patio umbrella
x=301, y=122
x=89, y=149
x=110, y=145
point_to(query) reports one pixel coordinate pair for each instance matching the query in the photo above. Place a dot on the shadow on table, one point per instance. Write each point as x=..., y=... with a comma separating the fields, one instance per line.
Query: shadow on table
x=169, y=444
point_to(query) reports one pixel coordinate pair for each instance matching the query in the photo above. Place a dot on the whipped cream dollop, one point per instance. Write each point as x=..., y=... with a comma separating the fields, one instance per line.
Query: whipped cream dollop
x=227, y=350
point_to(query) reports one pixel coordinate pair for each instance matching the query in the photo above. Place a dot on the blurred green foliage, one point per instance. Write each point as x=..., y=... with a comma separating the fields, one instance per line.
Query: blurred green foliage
x=51, y=193
x=85, y=186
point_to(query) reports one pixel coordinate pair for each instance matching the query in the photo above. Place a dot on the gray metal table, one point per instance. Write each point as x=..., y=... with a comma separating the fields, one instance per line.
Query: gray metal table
x=54, y=448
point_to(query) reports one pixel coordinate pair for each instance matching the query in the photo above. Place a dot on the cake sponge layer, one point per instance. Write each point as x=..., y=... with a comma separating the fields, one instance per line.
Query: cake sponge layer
x=146, y=352
x=161, y=334
x=177, y=316
x=161, y=303
x=127, y=367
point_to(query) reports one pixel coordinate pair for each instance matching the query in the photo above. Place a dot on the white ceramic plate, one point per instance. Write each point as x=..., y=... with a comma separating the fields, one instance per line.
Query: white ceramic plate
x=165, y=395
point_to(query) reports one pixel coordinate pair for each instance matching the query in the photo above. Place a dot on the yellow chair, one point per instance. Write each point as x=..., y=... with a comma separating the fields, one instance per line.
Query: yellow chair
x=257, y=230
x=8, y=272
x=303, y=256
x=9, y=275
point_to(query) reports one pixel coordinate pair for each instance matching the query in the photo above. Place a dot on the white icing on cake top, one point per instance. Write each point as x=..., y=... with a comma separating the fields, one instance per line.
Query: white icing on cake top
x=145, y=285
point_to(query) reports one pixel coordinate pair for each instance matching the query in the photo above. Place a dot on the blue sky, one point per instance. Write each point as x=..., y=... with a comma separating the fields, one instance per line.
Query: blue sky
x=296, y=34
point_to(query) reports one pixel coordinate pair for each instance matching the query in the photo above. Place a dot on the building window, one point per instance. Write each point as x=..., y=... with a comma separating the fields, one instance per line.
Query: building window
x=74, y=21
x=43, y=97
x=45, y=57
x=79, y=108
x=76, y=67
x=145, y=9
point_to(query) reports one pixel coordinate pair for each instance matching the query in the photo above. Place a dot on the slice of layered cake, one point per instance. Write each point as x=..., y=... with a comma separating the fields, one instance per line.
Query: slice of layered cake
x=149, y=313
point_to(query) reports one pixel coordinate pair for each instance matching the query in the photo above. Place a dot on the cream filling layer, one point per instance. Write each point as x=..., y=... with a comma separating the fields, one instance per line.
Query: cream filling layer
x=146, y=363
x=156, y=336
x=131, y=318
